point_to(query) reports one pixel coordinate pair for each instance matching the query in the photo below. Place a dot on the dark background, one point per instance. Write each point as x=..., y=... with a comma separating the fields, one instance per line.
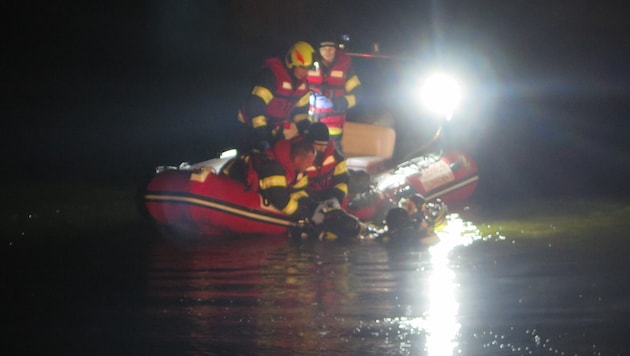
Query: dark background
x=101, y=92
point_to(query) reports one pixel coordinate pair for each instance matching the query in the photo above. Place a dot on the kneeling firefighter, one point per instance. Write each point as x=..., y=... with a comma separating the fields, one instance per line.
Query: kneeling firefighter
x=278, y=175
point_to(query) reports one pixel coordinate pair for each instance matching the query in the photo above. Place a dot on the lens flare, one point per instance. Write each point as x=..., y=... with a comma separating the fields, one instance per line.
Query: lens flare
x=441, y=94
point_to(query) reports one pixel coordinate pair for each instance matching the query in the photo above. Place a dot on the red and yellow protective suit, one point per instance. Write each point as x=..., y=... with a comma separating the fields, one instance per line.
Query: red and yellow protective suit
x=334, y=92
x=276, y=100
x=328, y=176
x=273, y=174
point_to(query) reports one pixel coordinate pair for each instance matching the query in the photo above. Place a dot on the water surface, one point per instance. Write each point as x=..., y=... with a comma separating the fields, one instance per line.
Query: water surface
x=479, y=290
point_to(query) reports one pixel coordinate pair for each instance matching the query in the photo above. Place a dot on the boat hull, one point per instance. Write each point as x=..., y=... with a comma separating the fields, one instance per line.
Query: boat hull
x=199, y=200
x=450, y=177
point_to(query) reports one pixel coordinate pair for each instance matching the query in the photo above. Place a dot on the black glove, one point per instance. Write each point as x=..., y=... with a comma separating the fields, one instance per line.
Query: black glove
x=263, y=146
x=261, y=138
x=340, y=104
x=303, y=125
x=341, y=223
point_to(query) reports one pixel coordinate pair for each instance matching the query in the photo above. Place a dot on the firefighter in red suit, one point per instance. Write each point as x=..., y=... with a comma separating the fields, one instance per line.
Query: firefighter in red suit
x=277, y=106
x=328, y=177
x=333, y=84
x=279, y=175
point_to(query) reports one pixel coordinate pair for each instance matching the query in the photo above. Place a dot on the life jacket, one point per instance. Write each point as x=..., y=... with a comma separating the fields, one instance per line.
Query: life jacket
x=281, y=153
x=332, y=83
x=329, y=83
x=320, y=175
x=286, y=95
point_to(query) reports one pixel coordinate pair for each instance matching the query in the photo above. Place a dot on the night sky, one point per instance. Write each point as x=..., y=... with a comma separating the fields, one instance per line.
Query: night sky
x=106, y=92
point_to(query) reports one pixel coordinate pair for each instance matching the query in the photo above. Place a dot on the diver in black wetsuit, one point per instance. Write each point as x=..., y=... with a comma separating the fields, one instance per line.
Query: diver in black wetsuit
x=411, y=223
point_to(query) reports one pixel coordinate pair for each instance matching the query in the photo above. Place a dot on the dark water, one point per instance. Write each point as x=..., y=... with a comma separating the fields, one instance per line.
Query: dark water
x=112, y=287
x=115, y=288
x=124, y=290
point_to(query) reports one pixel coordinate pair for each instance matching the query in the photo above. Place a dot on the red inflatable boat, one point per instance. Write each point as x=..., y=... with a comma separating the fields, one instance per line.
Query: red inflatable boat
x=199, y=199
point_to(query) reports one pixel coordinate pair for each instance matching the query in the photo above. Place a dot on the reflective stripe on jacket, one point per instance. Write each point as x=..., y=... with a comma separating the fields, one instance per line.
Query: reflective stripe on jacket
x=279, y=98
x=334, y=82
x=278, y=182
x=328, y=176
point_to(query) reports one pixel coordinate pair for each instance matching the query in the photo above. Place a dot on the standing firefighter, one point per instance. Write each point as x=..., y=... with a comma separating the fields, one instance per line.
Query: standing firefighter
x=277, y=106
x=333, y=84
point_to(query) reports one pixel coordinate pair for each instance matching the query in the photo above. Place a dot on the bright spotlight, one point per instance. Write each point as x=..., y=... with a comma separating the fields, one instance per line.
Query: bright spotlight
x=441, y=94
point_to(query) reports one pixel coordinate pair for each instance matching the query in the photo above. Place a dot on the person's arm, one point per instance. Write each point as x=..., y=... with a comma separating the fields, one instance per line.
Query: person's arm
x=274, y=187
x=340, y=179
x=353, y=85
x=256, y=103
x=300, y=113
x=338, y=186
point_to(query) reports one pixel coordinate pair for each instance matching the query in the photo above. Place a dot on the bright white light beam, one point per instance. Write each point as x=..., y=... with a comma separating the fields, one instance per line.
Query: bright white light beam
x=441, y=94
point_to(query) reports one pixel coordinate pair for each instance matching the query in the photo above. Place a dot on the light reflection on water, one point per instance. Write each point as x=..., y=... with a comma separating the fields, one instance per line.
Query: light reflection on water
x=270, y=295
x=546, y=291
x=439, y=321
x=466, y=294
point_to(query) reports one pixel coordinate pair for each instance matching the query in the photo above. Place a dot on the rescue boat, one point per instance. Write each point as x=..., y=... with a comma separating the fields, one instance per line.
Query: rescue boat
x=198, y=198
x=450, y=177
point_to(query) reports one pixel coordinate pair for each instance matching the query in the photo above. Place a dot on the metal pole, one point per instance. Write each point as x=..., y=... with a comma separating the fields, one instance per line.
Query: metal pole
x=381, y=56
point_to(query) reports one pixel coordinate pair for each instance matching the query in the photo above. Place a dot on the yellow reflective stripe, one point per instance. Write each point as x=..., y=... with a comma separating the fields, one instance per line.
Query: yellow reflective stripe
x=352, y=100
x=265, y=94
x=259, y=121
x=303, y=100
x=302, y=183
x=334, y=131
x=287, y=85
x=328, y=161
x=300, y=117
x=340, y=168
x=291, y=207
x=336, y=73
x=352, y=83
x=272, y=181
x=343, y=187
x=299, y=195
